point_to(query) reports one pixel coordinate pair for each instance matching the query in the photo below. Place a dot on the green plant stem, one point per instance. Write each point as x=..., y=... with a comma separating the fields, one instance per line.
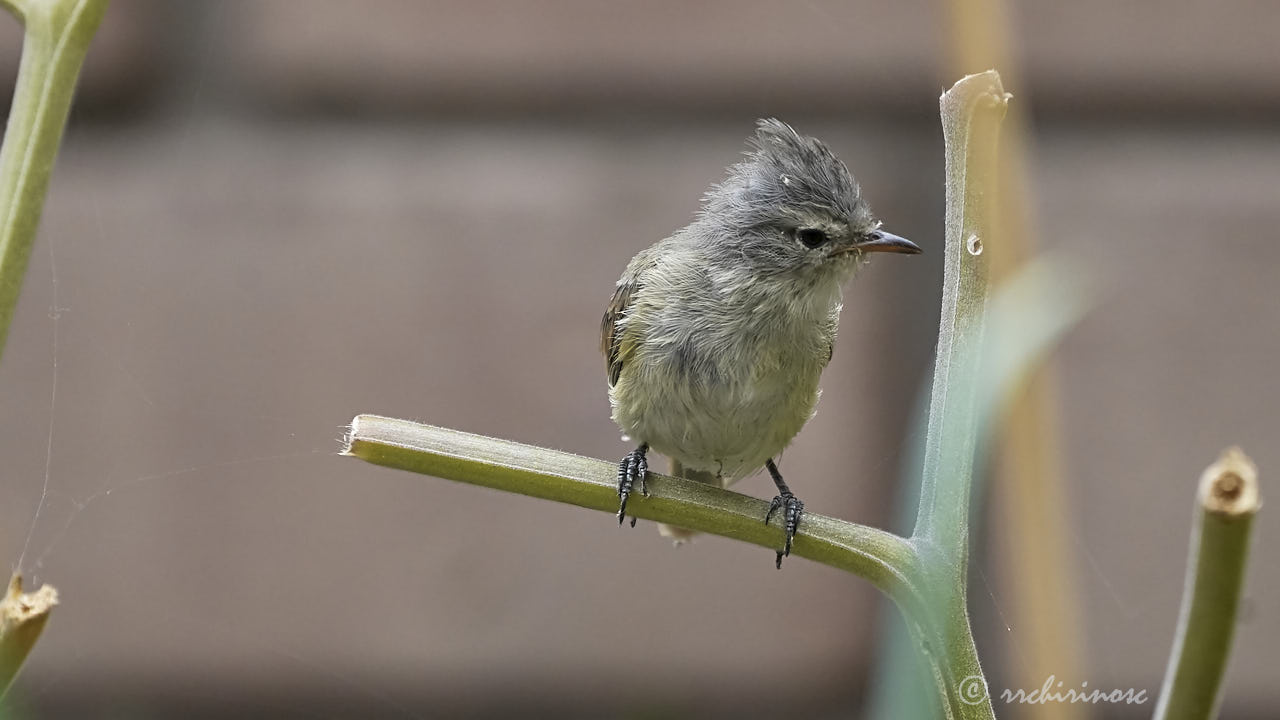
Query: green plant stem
x=971, y=114
x=553, y=475
x=888, y=561
x=1026, y=315
x=22, y=619
x=16, y=8
x=56, y=38
x=1226, y=503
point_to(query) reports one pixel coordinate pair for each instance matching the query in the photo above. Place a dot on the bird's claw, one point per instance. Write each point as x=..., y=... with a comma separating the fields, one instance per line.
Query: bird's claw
x=792, y=508
x=634, y=467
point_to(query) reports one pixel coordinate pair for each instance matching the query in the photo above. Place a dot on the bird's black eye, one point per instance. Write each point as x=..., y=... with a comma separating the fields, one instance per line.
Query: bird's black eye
x=811, y=237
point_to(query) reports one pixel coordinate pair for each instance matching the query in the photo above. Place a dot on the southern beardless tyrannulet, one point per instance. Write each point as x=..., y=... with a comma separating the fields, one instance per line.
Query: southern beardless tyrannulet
x=716, y=336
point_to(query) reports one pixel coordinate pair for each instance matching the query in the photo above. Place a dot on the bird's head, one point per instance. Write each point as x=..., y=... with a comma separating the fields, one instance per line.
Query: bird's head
x=791, y=206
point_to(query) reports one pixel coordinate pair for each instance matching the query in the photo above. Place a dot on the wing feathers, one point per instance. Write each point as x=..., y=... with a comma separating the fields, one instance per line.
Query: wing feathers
x=611, y=333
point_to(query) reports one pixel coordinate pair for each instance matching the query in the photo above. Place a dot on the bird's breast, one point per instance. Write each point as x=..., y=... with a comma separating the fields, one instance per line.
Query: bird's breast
x=724, y=387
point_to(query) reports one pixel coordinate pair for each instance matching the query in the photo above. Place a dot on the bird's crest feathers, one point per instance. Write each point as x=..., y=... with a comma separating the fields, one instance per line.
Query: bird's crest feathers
x=784, y=168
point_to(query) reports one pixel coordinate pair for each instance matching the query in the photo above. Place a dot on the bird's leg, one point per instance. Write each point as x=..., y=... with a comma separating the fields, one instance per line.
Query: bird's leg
x=791, y=507
x=632, y=468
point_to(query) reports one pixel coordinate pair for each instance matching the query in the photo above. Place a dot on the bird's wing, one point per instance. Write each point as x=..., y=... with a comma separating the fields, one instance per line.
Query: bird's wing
x=610, y=332
x=616, y=337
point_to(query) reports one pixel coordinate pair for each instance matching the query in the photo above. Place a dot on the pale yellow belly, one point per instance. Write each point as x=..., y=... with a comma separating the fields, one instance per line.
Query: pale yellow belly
x=727, y=428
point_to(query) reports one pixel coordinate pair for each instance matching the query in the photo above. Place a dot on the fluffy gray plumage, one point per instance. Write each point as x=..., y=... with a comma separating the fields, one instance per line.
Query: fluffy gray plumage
x=716, y=336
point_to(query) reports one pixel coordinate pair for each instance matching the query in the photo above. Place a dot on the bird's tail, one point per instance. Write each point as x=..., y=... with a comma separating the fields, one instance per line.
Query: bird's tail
x=678, y=534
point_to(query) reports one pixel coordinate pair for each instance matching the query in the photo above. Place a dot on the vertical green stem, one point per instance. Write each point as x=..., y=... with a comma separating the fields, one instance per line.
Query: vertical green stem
x=1226, y=503
x=971, y=114
x=57, y=35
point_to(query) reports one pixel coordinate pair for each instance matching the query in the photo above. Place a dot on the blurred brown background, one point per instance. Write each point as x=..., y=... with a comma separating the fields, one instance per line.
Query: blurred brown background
x=270, y=216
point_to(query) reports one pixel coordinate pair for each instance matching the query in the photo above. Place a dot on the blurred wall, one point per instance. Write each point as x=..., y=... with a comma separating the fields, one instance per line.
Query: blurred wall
x=270, y=216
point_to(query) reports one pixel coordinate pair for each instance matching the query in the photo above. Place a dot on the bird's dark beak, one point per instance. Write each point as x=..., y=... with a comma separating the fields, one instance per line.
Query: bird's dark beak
x=881, y=241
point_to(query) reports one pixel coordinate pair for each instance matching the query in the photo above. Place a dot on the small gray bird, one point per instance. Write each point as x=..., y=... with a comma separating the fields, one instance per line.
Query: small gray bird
x=716, y=336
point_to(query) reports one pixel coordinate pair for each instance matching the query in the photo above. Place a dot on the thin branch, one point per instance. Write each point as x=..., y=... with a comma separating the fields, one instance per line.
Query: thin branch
x=57, y=36
x=22, y=619
x=1226, y=503
x=538, y=472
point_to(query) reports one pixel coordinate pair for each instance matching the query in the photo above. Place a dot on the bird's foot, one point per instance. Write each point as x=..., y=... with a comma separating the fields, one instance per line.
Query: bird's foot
x=792, y=508
x=635, y=466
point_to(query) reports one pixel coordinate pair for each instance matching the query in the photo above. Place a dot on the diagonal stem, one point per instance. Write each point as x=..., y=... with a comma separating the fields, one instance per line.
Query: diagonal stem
x=57, y=35
x=538, y=472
